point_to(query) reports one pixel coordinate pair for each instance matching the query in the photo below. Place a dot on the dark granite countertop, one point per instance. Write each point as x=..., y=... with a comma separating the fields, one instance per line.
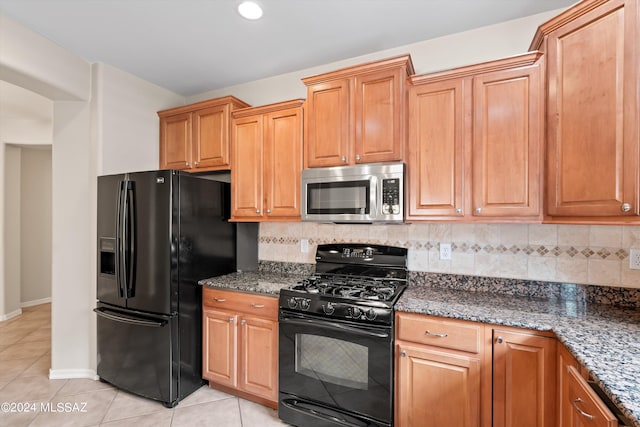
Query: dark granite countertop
x=258, y=282
x=604, y=338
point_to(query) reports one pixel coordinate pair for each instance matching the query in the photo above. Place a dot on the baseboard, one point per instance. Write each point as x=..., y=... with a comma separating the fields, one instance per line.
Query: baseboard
x=35, y=302
x=63, y=374
x=11, y=315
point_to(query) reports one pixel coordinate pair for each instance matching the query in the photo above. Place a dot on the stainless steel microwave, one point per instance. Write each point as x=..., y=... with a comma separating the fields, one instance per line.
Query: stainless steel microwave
x=365, y=193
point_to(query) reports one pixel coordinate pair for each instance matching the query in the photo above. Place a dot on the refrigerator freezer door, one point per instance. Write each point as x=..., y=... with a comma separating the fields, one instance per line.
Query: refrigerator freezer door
x=109, y=289
x=135, y=353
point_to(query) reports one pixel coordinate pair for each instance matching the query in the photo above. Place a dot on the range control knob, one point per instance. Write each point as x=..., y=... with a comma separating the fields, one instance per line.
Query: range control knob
x=328, y=308
x=355, y=312
x=371, y=314
x=293, y=303
x=305, y=303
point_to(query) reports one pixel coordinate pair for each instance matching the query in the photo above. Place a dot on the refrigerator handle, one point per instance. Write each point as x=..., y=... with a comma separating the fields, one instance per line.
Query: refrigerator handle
x=119, y=317
x=120, y=240
x=131, y=233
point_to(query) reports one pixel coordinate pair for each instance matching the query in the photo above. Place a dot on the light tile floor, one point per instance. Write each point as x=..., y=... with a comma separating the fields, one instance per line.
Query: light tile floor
x=25, y=359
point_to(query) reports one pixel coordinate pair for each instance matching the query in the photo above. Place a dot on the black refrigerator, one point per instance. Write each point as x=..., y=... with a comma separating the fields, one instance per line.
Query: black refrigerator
x=159, y=232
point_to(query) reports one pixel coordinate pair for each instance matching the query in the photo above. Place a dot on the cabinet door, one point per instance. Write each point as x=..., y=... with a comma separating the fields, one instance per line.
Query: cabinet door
x=175, y=142
x=259, y=353
x=565, y=408
x=437, y=135
x=593, y=113
x=327, y=127
x=523, y=380
x=283, y=163
x=507, y=143
x=219, y=334
x=247, y=172
x=436, y=388
x=378, y=106
x=586, y=408
x=211, y=137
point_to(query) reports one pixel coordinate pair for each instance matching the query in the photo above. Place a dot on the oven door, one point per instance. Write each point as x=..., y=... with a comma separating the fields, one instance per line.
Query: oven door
x=334, y=372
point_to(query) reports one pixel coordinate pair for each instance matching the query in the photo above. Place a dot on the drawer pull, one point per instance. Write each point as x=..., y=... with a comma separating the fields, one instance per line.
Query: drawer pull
x=428, y=332
x=219, y=299
x=580, y=411
x=254, y=305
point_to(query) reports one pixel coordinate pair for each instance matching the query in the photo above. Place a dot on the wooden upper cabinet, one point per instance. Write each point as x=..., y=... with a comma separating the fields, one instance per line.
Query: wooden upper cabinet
x=507, y=149
x=175, y=141
x=266, y=162
x=475, y=142
x=357, y=114
x=592, y=111
x=327, y=124
x=283, y=162
x=438, y=134
x=378, y=107
x=195, y=137
x=247, y=171
x=211, y=137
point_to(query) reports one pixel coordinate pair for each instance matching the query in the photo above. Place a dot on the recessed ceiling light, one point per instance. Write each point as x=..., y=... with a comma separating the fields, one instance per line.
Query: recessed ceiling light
x=250, y=10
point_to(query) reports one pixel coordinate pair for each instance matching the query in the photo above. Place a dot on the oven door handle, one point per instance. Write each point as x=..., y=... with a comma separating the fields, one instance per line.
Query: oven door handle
x=332, y=325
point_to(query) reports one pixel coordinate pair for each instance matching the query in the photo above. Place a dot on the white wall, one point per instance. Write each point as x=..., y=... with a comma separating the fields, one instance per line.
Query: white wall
x=127, y=124
x=11, y=297
x=35, y=225
x=469, y=47
x=25, y=120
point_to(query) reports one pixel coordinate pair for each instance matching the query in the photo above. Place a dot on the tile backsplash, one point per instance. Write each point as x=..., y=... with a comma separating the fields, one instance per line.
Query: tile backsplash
x=597, y=255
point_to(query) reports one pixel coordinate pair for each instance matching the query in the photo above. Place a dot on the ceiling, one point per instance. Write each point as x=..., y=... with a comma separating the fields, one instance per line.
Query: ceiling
x=193, y=46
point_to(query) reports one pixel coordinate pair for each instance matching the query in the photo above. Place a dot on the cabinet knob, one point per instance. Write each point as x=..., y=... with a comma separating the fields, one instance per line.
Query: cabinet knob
x=243, y=322
x=403, y=354
x=268, y=211
x=230, y=319
x=499, y=340
x=196, y=163
x=580, y=411
x=258, y=211
x=458, y=211
x=344, y=159
x=186, y=164
x=626, y=207
x=357, y=157
x=478, y=210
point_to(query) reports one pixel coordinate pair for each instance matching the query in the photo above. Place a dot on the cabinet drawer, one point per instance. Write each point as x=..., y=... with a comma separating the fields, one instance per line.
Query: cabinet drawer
x=258, y=305
x=455, y=335
x=586, y=404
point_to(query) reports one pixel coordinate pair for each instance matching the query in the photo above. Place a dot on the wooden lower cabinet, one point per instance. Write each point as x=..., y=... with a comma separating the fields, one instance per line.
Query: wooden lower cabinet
x=439, y=371
x=524, y=379
x=437, y=388
x=461, y=373
x=240, y=344
x=578, y=404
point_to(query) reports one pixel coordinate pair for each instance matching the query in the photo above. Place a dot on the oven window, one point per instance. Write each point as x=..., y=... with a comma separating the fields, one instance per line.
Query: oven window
x=332, y=360
x=347, y=197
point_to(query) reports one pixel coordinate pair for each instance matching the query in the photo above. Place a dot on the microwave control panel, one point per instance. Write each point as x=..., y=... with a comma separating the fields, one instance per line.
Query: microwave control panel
x=391, y=196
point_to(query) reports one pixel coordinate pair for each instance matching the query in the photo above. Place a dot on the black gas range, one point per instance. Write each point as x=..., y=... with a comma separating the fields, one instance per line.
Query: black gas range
x=336, y=338
x=354, y=282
